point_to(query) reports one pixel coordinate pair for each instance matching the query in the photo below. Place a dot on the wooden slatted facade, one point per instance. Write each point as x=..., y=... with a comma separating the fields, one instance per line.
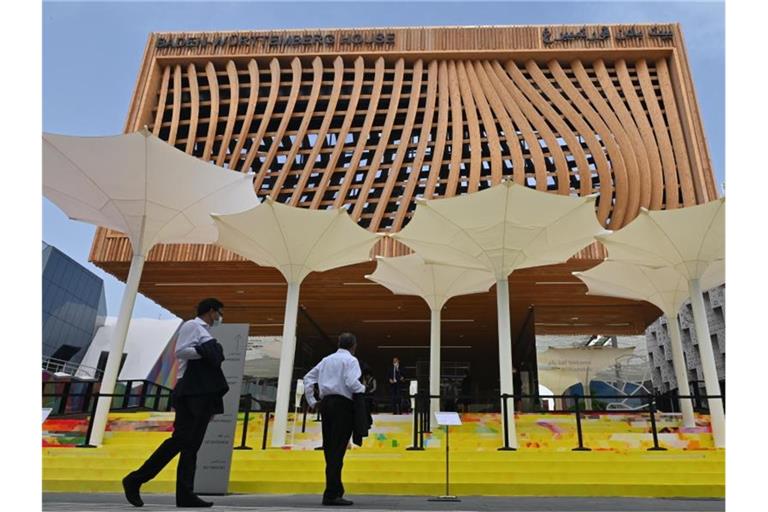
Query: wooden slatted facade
x=371, y=119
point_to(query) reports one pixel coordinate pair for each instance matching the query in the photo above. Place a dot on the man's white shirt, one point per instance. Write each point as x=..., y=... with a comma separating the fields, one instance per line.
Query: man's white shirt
x=337, y=374
x=191, y=333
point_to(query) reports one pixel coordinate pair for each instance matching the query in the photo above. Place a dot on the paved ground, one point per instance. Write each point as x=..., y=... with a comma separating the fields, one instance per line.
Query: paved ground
x=304, y=503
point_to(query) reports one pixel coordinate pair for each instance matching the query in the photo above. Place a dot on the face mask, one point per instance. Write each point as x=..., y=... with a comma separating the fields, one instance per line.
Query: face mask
x=218, y=321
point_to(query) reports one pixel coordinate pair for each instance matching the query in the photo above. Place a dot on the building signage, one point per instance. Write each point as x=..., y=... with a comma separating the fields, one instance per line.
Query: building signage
x=603, y=33
x=277, y=40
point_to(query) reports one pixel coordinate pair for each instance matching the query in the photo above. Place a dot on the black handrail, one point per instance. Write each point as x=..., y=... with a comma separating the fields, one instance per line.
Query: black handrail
x=650, y=398
x=420, y=412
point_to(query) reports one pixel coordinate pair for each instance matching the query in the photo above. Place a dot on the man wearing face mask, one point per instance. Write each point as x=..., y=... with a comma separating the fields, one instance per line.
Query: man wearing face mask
x=197, y=397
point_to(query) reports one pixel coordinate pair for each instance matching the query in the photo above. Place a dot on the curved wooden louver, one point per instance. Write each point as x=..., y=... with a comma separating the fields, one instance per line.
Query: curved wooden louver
x=372, y=135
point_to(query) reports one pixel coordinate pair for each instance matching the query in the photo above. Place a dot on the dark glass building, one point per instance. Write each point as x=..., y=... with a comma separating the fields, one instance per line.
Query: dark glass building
x=74, y=306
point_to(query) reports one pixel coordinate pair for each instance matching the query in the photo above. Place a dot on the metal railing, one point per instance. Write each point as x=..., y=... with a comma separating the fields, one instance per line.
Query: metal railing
x=54, y=365
x=421, y=410
x=422, y=400
x=158, y=400
x=78, y=397
x=650, y=400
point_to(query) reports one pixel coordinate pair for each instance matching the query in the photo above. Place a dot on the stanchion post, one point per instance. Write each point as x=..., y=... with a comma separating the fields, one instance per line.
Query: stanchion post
x=304, y=419
x=504, y=426
x=266, y=428
x=652, y=410
x=243, y=446
x=415, y=427
x=87, y=440
x=581, y=447
x=423, y=424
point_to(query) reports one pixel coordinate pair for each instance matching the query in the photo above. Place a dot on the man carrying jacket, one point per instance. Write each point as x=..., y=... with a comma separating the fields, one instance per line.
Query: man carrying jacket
x=338, y=379
x=197, y=397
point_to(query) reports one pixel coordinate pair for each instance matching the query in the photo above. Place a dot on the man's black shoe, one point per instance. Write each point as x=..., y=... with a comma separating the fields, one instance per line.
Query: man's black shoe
x=193, y=502
x=131, y=488
x=337, y=502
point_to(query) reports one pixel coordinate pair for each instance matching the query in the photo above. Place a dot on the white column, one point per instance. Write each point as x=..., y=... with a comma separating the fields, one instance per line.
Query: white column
x=681, y=371
x=285, y=373
x=434, y=363
x=505, y=357
x=716, y=412
x=116, y=349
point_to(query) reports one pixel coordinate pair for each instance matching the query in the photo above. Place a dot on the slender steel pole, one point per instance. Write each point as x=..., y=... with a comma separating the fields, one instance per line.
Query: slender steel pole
x=266, y=428
x=581, y=447
x=652, y=410
x=243, y=446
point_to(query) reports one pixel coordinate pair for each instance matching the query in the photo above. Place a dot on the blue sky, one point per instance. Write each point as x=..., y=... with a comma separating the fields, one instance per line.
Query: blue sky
x=92, y=52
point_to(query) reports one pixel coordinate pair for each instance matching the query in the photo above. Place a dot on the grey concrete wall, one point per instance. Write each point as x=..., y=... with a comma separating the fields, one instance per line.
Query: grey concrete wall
x=660, y=349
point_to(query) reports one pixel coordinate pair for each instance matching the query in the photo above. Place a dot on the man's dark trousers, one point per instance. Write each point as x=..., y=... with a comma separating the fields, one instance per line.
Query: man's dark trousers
x=338, y=421
x=396, y=397
x=193, y=412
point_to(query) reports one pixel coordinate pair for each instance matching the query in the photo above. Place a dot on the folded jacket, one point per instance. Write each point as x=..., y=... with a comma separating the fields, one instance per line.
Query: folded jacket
x=362, y=420
x=211, y=352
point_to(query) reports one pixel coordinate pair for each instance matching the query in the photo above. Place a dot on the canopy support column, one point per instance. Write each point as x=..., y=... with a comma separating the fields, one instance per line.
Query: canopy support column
x=681, y=372
x=505, y=357
x=434, y=363
x=285, y=373
x=716, y=412
x=116, y=349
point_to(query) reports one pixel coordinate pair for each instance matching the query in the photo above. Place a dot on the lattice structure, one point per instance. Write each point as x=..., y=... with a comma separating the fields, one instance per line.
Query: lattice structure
x=371, y=135
x=370, y=119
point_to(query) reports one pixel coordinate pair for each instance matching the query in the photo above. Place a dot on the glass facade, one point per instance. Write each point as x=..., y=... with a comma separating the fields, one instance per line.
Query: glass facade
x=74, y=306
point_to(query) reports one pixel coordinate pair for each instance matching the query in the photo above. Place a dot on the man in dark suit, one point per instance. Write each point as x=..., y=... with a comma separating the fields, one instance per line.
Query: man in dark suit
x=395, y=379
x=197, y=397
x=338, y=381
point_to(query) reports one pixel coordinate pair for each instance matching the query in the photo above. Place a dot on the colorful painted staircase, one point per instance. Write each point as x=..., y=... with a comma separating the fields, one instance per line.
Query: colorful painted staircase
x=545, y=465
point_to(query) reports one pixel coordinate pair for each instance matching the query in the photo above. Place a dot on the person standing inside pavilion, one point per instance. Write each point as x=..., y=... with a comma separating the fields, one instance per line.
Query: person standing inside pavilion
x=395, y=379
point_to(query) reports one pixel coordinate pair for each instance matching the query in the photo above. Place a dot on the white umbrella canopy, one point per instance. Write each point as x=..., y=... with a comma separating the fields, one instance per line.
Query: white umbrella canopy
x=436, y=284
x=663, y=287
x=140, y=185
x=691, y=242
x=501, y=229
x=296, y=241
x=146, y=188
x=688, y=240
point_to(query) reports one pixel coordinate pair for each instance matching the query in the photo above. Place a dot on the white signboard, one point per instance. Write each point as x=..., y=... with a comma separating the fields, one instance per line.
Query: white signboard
x=46, y=412
x=214, y=459
x=447, y=418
